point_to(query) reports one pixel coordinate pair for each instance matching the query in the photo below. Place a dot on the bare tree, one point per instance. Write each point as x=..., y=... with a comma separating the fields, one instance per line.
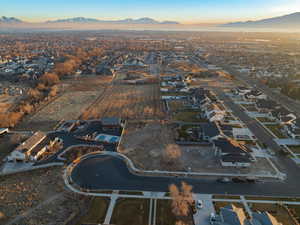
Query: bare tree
x=181, y=199
x=50, y=79
x=172, y=154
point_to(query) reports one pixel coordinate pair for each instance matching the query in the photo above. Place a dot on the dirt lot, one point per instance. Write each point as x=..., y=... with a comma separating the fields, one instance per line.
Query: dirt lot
x=136, y=145
x=129, y=101
x=220, y=82
x=39, y=196
x=89, y=83
x=202, y=159
x=66, y=107
x=144, y=143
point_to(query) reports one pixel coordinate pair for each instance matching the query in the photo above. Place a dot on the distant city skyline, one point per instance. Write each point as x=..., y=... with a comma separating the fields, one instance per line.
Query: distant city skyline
x=189, y=11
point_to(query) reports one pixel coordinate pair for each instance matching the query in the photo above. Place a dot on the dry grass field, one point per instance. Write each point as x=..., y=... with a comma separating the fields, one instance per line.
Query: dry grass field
x=144, y=143
x=37, y=197
x=137, y=102
x=66, y=107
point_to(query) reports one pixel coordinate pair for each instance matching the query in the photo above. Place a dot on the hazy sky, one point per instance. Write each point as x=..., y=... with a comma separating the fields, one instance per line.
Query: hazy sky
x=185, y=11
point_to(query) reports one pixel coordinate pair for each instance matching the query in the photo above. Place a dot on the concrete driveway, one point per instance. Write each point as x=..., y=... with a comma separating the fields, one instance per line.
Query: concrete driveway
x=203, y=215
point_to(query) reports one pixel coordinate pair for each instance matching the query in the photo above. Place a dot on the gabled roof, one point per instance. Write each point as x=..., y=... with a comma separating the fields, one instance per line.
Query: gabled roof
x=236, y=158
x=230, y=146
x=297, y=122
x=31, y=142
x=266, y=104
x=286, y=119
x=233, y=215
x=264, y=218
x=111, y=121
x=210, y=129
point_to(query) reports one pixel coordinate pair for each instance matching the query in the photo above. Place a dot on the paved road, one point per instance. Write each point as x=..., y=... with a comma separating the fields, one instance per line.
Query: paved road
x=111, y=173
x=285, y=164
x=289, y=103
x=283, y=100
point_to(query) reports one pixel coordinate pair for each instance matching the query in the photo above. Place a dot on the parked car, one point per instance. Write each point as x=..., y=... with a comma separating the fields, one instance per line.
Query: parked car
x=212, y=218
x=199, y=204
x=239, y=180
x=224, y=180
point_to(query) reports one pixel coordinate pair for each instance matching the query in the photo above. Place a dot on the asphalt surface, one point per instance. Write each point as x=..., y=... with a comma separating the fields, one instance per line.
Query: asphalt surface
x=283, y=100
x=103, y=172
x=283, y=163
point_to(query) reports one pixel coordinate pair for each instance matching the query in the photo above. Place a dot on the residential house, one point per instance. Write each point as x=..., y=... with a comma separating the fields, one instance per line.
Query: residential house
x=111, y=123
x=200, y=96
x=293, y=129
x=254, y=95
x=3, y=130
x=282, y=115
x=23, y=151
x=266, y=105
x=232, y=153
x=242, y=134
x=233, y=215
x=242, y=90
x=214, y=112
x=209, y=132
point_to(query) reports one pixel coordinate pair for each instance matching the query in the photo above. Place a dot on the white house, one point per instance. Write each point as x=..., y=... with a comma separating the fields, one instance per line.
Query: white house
x=3, y=130
x=23, y=151
x=242, y=134
x=214, y=112
x=293, y=129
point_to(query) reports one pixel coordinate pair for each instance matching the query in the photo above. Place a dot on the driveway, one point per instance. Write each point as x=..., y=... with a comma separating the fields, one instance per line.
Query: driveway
x=203, y=215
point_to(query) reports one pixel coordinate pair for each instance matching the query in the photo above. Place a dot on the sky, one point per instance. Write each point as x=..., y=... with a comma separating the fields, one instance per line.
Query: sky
x=184, y=11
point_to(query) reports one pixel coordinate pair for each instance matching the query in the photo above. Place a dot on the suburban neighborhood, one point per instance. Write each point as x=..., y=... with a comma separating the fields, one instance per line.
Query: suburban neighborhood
x=147, y=128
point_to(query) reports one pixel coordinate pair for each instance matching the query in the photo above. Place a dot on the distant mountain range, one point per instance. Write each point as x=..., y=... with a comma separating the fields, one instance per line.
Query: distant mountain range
x=5, y=19
x=286, y=21
x=144, y=20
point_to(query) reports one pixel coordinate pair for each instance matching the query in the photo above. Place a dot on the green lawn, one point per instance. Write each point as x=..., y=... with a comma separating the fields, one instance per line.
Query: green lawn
x=295, y=149
x=164, y=212
x=275, y=129
x=97, y=211
x=131, y=211
x=188, y=116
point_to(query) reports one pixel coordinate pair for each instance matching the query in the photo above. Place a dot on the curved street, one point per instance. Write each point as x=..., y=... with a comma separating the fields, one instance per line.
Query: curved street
x=106, y=172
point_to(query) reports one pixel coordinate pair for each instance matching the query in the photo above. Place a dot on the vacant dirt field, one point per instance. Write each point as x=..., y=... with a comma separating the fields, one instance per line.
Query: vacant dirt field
x=37, y=197
x=144, y=143
x=88, y=83
x=202, y=159
x=67, y=107
x=128, y=101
